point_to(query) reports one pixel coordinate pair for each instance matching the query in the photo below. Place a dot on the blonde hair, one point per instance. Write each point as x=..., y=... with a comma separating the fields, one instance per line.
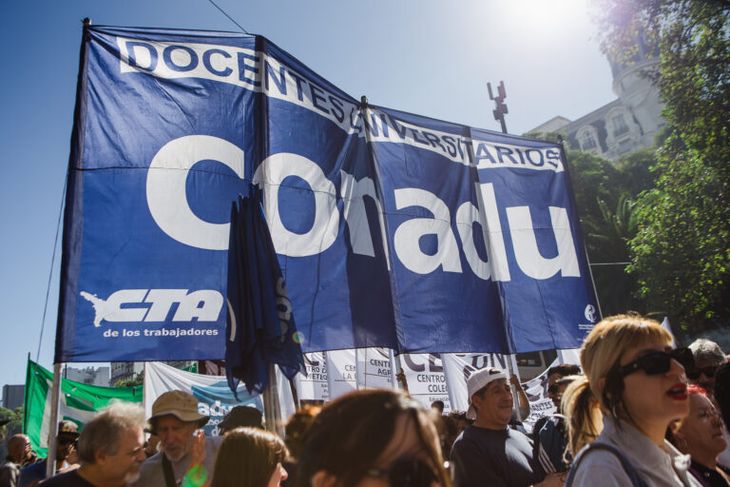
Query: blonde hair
x=600, y=392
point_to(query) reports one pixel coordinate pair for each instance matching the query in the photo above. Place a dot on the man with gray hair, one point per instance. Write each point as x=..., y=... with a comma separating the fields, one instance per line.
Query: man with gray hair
x=708, y=357
x=111, y=450
x=175, y=419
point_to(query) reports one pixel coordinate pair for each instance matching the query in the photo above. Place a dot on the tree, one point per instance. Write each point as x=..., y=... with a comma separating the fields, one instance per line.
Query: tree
x=11, y=420
x=680, y=252
x=136, y=380
x=604, y=194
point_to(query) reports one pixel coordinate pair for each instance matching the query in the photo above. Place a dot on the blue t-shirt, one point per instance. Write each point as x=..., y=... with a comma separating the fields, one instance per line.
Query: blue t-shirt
x=498, y=458
x=32, y=473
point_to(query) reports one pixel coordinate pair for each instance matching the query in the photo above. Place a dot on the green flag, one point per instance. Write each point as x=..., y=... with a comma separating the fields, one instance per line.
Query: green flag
x=79, y=403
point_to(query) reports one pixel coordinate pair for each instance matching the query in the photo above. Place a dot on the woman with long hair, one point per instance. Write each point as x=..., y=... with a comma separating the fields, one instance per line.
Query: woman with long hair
x=372, y=438
x=634, y=387
x=250, y=457
x=700, y=435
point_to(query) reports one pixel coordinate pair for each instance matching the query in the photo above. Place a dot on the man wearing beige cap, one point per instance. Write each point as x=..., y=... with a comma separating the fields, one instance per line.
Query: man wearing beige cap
x=489, y=452
x=175, y=418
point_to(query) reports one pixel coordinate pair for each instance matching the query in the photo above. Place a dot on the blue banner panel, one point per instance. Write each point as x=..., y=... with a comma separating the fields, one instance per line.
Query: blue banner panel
x=391, y=229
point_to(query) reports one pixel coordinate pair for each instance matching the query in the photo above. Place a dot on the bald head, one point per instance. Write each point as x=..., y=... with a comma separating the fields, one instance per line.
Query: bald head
x=18, y=446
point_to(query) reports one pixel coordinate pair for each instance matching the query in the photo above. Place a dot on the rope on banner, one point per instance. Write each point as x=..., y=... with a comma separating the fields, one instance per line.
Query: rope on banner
x=50, y=272
x=229, y=17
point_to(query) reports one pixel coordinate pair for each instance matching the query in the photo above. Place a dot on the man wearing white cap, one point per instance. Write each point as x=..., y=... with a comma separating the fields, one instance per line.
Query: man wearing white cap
x=489, y=452
x=175, y=418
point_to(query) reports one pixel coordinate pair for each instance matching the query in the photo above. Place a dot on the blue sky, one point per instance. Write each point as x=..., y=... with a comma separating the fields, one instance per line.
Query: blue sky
x=428, y=57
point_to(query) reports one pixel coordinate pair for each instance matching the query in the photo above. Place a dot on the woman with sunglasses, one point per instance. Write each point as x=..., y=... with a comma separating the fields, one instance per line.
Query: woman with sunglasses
x=634, y=387
x=700, y=435
x=708, y=357
x=372, y=438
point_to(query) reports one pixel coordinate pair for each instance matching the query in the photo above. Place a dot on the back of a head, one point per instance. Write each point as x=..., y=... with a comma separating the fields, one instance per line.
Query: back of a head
x=564, y=370
x=350, y=433
x=297, y=427
x=586, y=398
x=242, y=417
x=247, y=456
x=722, y=392
x=103, y=433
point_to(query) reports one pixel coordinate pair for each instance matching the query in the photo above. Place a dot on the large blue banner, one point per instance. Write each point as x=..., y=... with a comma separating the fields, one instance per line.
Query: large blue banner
x=392, y=229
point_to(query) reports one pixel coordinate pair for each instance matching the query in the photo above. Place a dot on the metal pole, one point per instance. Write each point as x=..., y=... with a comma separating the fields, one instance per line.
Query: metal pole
x=393, y=366
x=512, y=369
x=53, y=426
x=272, y=409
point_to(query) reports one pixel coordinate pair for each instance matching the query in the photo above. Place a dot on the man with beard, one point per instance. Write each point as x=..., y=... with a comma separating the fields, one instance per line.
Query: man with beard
x=174, y=420
x=111, y=450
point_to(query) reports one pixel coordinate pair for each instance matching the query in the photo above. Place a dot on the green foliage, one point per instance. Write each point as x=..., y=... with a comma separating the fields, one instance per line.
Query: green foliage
x=13, y=420
x=604, y=194
x=137, y=380
x=680, y=252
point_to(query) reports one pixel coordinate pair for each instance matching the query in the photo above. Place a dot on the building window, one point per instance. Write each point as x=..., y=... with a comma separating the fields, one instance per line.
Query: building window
x=588, y=140
x=618, y=122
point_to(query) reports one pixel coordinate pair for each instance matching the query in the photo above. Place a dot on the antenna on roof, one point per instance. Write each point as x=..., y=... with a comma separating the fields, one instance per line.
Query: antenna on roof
x=500, y=108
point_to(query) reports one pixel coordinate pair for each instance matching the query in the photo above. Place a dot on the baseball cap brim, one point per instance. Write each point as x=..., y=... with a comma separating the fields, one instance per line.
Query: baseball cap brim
x=187, y=417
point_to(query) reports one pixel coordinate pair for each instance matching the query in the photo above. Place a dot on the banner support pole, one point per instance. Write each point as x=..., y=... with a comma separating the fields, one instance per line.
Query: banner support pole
x=395, y=369
x=295, y=394
x=53, y=426
x=512, y=370
x=272, y=410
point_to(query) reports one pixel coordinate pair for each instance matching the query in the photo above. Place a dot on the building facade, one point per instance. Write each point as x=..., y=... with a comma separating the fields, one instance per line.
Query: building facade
x=97, y=376
x=124, y=371
x=13, y=396
x=625, y=125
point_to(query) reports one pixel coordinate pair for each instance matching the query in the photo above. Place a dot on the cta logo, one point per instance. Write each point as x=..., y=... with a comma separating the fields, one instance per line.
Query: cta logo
x=156, y=305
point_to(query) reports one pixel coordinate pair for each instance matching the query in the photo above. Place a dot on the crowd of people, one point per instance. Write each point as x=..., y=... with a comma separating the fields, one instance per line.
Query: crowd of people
x=637, y=412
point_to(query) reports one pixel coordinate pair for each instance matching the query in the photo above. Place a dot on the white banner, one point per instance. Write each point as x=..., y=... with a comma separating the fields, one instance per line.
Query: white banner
x=215, y=398
x=373, y=368
x=572, y=355
x=313, y=387
x=425, y=378
x=362, y=368
x=341, y=373
x=430, y=377
x=459, y=366
x=540, y=404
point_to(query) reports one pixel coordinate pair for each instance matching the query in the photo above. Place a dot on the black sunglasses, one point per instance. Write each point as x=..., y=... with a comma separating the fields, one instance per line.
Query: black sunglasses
x=656, y=363
x=406, y=472
x=694, y=374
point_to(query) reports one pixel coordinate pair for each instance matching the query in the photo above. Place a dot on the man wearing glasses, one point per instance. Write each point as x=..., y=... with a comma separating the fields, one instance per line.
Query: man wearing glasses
x=67, y=436
x=111, y=450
